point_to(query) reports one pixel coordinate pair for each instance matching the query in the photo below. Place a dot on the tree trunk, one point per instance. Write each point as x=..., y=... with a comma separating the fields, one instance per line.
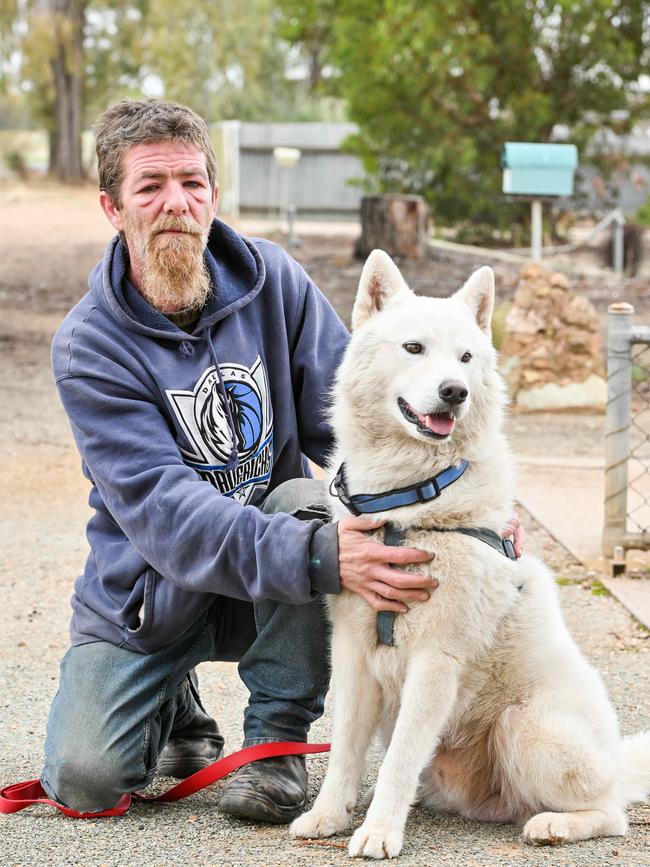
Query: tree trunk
x=397, y=224
x=52, y=151
x=315, y=69
x=67, y=70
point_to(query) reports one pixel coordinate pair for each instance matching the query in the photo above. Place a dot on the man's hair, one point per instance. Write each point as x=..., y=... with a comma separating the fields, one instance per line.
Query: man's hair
x=141, y=121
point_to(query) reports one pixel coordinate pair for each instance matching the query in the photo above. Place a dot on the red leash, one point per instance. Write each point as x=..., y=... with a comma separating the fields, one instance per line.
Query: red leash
x=21, y=795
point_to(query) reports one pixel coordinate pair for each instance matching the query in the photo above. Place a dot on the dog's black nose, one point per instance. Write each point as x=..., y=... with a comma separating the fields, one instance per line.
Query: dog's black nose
x=453, y=392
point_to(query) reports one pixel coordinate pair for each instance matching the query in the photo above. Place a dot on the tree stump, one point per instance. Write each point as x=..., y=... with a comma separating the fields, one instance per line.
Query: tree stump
x=397, y=224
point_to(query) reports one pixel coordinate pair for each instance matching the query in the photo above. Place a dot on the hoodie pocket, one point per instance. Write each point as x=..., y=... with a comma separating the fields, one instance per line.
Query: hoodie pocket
x=146, y=620
x=168, y=611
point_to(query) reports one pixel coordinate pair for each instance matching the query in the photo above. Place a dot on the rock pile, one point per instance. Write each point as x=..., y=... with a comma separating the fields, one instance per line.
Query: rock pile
x=551, y=354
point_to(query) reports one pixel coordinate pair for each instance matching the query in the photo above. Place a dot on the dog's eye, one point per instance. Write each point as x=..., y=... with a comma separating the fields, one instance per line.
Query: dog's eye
x=413, y=348
x=466, y=356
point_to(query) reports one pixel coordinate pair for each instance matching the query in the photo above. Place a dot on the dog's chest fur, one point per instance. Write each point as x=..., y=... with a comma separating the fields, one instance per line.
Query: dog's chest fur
x=478, y=587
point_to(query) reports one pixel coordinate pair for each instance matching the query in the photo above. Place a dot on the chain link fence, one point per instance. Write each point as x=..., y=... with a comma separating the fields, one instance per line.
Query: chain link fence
x=627, y=436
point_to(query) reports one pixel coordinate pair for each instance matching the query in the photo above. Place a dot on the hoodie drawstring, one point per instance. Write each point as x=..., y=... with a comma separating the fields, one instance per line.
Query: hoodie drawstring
x=233, y=459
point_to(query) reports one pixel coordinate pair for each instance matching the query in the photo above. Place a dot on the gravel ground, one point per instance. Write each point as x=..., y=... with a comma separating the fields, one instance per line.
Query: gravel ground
x=42, y=547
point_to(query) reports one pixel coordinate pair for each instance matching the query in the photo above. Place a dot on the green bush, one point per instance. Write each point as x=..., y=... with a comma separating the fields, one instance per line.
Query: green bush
x=643, y=214
x=15, y=162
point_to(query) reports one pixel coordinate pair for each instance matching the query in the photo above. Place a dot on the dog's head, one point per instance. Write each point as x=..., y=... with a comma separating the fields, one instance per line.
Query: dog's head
x=419, y=365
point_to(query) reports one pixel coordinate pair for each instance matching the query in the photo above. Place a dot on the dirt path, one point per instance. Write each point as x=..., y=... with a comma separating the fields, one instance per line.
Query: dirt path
x=42, y=547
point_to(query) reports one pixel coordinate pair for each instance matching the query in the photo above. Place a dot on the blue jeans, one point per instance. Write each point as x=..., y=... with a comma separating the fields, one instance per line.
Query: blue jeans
x=115, y=709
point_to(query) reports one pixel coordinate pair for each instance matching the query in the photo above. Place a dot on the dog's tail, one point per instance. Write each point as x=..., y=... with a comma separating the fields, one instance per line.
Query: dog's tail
x=636, y=767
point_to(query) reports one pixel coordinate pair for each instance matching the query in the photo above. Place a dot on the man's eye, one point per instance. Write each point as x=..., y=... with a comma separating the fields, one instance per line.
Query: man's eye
x=413, y=347
x=148, y=189
x=192, y=184
x=466, y=356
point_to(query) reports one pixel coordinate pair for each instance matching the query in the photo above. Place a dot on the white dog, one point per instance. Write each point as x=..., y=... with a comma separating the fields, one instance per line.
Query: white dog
x=484, y=701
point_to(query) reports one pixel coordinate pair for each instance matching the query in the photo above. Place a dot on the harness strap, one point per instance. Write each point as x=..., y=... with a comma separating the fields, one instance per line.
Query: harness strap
x=21, y=795
x=483, y=534
x=386, y=619
x=393, y=536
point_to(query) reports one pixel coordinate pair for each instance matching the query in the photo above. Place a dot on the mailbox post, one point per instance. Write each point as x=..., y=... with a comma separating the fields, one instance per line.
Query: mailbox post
x=287, y=159
x=537, y=172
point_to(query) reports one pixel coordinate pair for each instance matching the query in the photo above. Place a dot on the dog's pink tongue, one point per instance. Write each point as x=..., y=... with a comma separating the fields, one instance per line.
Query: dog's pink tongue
x=441, y=424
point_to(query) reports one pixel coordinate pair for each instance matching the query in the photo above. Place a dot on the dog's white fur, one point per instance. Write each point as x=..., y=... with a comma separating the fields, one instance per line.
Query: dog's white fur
x=485, y=704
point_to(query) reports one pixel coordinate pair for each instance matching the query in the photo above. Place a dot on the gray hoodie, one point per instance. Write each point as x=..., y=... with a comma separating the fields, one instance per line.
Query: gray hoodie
x=182, y=435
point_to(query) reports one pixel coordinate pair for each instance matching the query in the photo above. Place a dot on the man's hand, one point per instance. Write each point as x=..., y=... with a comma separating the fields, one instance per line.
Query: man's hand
x=513, y=528
x=364, y=567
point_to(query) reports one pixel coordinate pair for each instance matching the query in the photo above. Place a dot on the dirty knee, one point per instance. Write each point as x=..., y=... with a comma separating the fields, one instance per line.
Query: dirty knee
x=88, y=784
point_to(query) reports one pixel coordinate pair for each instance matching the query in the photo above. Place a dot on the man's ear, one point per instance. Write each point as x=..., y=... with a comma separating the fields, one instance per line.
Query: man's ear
x=478, y=294
x=112, y=214
x=215, y=200
x=380, y=281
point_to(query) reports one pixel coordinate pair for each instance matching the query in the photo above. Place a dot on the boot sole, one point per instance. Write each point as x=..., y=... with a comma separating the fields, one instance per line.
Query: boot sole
x=260, y=810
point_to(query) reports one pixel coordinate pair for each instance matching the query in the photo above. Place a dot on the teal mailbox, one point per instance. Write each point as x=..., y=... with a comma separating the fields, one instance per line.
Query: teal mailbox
x=531, y=169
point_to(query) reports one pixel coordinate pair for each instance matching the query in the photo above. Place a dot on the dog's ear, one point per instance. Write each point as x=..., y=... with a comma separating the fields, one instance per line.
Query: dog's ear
x=380, y=281
x=478, y=294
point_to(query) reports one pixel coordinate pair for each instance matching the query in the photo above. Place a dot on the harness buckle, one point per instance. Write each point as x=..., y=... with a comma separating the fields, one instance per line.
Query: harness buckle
x=509, y=549
x=419, y=491
x=340, y=491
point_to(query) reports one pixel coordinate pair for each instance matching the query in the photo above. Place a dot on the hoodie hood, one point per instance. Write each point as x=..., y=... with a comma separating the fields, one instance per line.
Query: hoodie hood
x=237, y=272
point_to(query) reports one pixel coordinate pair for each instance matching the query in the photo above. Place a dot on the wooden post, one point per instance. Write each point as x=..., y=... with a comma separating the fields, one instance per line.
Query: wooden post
x=398, y=224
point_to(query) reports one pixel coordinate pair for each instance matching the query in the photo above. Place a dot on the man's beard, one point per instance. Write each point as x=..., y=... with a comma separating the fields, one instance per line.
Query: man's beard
x=174, y=277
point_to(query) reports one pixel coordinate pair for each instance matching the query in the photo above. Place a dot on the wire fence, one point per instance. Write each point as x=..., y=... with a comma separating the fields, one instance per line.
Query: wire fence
x=638, y=502
x=627, y=437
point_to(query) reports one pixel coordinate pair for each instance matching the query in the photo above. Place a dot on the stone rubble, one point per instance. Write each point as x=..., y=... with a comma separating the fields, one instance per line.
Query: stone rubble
x=551, y=354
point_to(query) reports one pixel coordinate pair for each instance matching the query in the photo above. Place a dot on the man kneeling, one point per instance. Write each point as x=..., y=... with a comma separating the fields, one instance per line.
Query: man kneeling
x=194, y=374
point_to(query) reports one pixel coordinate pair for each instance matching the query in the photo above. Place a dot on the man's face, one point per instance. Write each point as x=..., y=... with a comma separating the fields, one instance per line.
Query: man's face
x=166, y=212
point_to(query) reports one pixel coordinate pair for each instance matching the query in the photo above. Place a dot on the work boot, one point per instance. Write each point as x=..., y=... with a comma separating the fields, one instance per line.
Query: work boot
x=194, y=742
x=269, y=790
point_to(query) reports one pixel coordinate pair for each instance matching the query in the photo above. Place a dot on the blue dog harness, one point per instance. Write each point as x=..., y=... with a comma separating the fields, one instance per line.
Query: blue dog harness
x=422, y=493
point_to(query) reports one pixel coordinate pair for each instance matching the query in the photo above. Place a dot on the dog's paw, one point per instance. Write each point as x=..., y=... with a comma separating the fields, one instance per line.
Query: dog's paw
x=552, y=829
x=547, y=829
x=320, y=822
x=376, y=841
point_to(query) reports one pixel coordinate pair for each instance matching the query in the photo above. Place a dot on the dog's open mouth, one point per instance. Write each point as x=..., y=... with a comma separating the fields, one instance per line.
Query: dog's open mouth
x=436, y=425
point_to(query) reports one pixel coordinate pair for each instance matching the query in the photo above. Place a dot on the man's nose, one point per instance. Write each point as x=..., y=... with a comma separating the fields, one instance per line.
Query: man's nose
x=453, y=392
x=175, y=200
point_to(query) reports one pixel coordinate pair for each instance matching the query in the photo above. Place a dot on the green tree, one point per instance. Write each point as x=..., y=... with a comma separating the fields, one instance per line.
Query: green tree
x=115, y=36
x=225, y=60
x=68, y=61
x=309, y=25
x=437, y=87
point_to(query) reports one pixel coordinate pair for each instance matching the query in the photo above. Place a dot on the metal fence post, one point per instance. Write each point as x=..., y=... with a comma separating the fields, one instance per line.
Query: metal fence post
x=619, y=388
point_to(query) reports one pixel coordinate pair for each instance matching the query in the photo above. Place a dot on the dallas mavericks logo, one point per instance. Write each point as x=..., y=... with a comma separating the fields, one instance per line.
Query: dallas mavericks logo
x=204, y=420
